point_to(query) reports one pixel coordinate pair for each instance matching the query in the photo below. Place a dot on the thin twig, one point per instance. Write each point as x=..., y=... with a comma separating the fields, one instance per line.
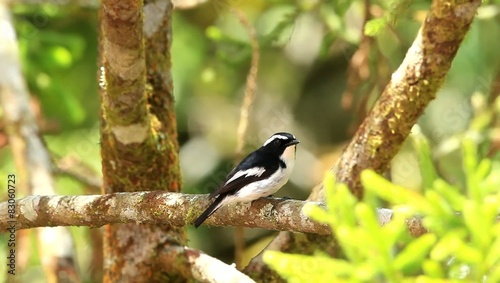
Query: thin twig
x=250, y=89
x=76, y=169
x=251, y=83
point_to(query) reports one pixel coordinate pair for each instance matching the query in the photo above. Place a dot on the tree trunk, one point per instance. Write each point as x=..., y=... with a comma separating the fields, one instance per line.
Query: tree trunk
x=139, y=146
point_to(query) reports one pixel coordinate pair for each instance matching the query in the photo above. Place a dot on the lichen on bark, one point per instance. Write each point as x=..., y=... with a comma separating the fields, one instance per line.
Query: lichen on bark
x=139, y=146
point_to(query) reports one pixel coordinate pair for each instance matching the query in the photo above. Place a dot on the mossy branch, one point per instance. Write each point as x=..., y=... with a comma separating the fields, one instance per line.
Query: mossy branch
x=412, y=87
x=170, y=209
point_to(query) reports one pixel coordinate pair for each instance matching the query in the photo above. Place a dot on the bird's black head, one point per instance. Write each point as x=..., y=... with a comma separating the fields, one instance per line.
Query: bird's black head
x=279, y=142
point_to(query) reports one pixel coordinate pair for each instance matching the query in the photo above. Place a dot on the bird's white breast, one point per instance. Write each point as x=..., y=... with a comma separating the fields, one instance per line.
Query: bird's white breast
x=268, y=186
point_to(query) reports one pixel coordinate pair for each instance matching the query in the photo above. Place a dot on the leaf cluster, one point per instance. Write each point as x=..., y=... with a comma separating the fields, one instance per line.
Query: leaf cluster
x=462, y=244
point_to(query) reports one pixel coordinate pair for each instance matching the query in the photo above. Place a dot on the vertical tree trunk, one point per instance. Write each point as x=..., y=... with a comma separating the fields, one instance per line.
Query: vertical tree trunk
x=138, y=129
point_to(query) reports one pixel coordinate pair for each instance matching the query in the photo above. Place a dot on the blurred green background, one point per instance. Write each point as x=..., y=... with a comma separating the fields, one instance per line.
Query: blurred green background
x=306, y=48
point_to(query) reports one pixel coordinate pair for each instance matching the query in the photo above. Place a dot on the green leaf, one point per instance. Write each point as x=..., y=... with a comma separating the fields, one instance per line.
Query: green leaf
x=493, y=274
x=342, y=206
x=450, y=193
x=341, y=6
x=492, y=259
x=469, y=164
x=447, y=245
x=374, y=183
x=369, y=222
x=214, y=33
x=354, y=250
x=365, y=272
x=397, y=8
x=375, y=240
x=421, y=145
x=439, y=206
x=303, y=268
x=483, y=170
x=333, y=22
x=317, y=213
x=491, y=183
x=396, y=230
x=467, y=254
x=479, y=225
x=61, y=56
x=433, y=268
x=375, y=26
x=411, y=258
x=282, y=30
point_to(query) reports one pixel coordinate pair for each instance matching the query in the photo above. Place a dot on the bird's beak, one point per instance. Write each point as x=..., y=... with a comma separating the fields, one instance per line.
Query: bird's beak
x=293, y=142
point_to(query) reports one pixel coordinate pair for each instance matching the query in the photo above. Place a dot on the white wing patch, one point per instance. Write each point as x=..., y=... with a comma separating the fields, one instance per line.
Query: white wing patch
x=256, y=171
x=269, y=140
x=262, y=188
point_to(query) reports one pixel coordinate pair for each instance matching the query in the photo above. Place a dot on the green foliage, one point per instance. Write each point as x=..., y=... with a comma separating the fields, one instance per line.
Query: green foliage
x=281, y=23
x=55, y=52
x=374, y=26
x=273, y=30
x=463, y=241
x=395, y=10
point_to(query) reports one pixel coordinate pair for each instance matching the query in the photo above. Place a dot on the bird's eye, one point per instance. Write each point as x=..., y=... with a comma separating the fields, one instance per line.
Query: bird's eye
x=277, y=142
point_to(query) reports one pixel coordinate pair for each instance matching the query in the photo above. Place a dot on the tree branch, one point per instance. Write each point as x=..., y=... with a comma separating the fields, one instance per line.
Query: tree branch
x=76, y=169
x=412, y=87
x=202, y=267
x=173, y=209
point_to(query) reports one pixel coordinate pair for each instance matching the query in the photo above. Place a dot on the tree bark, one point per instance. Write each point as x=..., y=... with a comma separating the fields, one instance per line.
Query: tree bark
x=138, y=128
x=170, y=209
x=203, y=268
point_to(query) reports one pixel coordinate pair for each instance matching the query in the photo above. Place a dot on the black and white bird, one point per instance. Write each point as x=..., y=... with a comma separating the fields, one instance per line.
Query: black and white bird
x=260, y=174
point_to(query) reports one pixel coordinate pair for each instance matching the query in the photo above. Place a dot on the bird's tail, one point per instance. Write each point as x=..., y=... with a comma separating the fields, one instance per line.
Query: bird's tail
x=209, y=211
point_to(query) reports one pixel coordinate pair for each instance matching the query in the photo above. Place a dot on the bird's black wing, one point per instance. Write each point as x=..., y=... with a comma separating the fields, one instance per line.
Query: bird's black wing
x=254, y=160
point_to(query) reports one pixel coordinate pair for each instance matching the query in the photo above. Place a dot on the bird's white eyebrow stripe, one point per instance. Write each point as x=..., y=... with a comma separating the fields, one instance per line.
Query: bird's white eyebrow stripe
x=256, y=171
x=275, y=137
